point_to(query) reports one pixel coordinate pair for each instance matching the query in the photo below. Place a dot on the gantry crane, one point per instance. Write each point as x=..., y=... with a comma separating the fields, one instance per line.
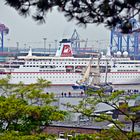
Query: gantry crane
x=130, y=42
x=3, y=30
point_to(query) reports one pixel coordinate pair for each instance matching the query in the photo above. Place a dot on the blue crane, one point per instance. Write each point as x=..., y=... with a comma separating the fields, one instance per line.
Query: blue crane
x=130, y=42
x=75, y=41
x=3, y=30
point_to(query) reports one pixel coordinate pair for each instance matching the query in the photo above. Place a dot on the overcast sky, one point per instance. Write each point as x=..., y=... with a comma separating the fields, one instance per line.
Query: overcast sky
x=28, y=33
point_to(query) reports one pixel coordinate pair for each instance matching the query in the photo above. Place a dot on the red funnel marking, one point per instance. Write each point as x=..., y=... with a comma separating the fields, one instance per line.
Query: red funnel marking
x=66, y=52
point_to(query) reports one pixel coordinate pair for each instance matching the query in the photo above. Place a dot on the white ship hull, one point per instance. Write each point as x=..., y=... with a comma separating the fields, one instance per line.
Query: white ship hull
x=71, y=78
x=54, y=78
x=122, y=78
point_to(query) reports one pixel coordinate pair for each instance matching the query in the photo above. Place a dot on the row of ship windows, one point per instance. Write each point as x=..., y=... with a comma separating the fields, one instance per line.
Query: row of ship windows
x=126, y=73
x=29, y=64
x=73, y=77
x=133, y=66
x=52, y=70
x=62, y=66
x=127, y=70
x=78, y=60
x=63, y=63
x=50, y=73
x=45, y=77
x=128, y=62
x=75, y=59
x=58, y=63
x=127, y=66
x=42, y=66
x=125, y=77
x=55, y=60
x=62, y=73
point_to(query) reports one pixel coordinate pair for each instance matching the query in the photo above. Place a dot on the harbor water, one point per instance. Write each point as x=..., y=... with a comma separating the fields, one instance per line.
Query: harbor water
x=66, y=90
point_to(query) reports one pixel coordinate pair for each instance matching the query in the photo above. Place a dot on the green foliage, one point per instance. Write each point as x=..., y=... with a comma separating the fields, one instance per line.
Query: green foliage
x=83, y=11
x=12, y=135
x=117, y=101
x=26, y=109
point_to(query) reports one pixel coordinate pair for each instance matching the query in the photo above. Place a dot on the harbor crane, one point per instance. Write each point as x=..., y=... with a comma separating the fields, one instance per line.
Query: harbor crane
x=130, y=42
x=75, y=40
x=3, y=30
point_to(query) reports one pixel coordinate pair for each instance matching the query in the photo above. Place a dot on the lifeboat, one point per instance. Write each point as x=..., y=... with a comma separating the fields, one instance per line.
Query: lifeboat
x=69, y=67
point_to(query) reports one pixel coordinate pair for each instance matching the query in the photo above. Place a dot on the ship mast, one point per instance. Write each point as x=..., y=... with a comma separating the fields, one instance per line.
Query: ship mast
x=96, y=73
x=87, y=73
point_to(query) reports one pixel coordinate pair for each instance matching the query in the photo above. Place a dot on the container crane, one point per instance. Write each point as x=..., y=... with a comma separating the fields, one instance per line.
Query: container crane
x=130, y=42
x=75, y=41
x=3, y=30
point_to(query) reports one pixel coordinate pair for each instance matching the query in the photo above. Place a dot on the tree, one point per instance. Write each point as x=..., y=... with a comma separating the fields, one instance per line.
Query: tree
x=110, y=12
x=118, y=101
x=26, y=109
x=12, y=135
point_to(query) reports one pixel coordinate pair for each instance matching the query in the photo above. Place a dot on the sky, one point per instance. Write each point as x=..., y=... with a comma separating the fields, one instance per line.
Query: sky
x=28, y=33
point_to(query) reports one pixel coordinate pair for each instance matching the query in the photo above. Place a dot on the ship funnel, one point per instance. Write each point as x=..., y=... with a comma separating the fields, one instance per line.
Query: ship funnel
x=30, y=52
x=65, y=49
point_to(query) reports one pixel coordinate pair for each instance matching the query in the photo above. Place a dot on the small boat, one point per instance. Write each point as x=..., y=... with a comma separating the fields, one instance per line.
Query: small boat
x=84, y=82
x=91, y=79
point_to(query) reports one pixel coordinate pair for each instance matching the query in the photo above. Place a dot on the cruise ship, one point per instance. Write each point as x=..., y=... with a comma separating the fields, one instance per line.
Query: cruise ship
x=65, y=69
